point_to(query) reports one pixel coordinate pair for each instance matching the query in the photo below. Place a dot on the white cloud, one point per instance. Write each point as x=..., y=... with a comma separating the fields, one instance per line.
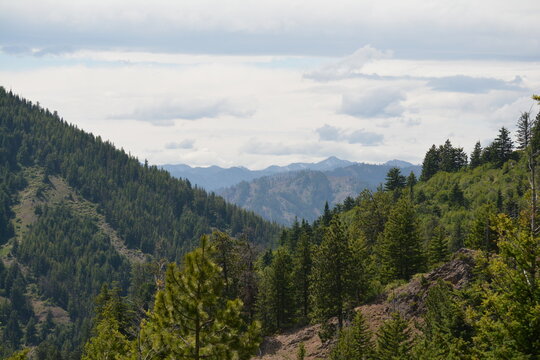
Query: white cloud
x=415, y=28
x=378, y=102
x=362, y=137
x=164, y=113
x=349, y=66
x=184, y=144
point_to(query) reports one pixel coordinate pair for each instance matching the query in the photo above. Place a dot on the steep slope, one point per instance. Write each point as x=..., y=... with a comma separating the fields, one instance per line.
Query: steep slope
x=77, y=213
x=302, y=194
x=408, y=300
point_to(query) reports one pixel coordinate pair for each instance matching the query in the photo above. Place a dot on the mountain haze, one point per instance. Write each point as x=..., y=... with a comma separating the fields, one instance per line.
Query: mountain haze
x=214, y=177
x=303, y=194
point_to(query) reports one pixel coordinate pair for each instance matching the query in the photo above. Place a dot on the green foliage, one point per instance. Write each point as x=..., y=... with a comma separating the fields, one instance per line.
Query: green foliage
x=190, y=318
x=301, y=352
x=508, y=318
x=354, y=342
x=444, y=158
x=144, y=204
x=400, y=247
x=446, y=333
x=394, y=180
x=476, y=156
x=481, y=233
x=438, y=251
x=333, y=288
x=394, y=339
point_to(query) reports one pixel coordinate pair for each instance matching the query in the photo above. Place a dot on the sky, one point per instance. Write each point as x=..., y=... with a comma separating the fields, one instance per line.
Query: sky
x=257, y=83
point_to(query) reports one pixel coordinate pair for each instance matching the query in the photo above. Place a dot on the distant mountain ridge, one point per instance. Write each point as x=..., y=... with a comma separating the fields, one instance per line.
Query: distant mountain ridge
x=214, y=177
x=302, y=194
x=298, y=190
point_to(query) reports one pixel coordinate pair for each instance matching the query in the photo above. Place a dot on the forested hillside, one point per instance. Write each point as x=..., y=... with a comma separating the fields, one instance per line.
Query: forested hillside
x=77, y=213
x=303, y=194
x=444, y=266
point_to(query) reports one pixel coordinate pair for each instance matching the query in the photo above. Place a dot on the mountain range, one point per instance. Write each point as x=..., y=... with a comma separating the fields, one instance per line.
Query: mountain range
x=298, y=190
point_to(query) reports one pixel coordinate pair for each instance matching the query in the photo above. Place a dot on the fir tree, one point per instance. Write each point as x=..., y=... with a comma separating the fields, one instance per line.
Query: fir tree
x=524, y=129
x=446, y=333
x=394, y=339
x=508, y=323
x=481, y=233
x=502, y=146
x=476, y=156
x=437, y=251
x=430, y=165
x=191, y=319
x=400, y=247
x=355, y=342
x=282, y=291
x=332, y=286
x=411, y=182
x=303, y=262
x=394, y=180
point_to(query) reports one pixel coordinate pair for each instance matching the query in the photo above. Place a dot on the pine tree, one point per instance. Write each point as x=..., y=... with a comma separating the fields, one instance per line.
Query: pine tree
x=282, y=287
x=301, y=352
x=503, y=146
x=430, y=165
x=355, y=342
x=437, y=251
x=332, y=286
x=394, y=180
x=508, y=323
x=446, y=333
x=108, y=343
x=476, y=156
x=191, y=319
x=456, y=196
x=394, y=339
x=411, y=182
x=481, y=233
x=400, y=248
x=524, y=128
x=303, y=262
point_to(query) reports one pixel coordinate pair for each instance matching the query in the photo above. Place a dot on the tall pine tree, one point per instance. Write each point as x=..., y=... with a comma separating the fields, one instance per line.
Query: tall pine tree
x=400, y=248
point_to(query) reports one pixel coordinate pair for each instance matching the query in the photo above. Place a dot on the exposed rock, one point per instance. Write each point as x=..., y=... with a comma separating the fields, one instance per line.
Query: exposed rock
x=408, y=300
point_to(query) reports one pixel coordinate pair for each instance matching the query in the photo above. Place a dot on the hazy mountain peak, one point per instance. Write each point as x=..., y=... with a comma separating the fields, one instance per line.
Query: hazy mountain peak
x=398, y=163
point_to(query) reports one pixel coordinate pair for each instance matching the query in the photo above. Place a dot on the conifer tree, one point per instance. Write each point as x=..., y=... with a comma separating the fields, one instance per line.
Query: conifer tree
x=508, y=325
x=481, y=233
x=191, y=319
x=430, y=165
x=394, y=339
x=355, y=342
x=332, y=286
x=502, y=147
x=400, y=247
x=476, y=156
x=394, y=180
x=524, y=129
x=303, y=262
x=282, y=287
x=446, y=333
x=437, y=251
x=411, y=182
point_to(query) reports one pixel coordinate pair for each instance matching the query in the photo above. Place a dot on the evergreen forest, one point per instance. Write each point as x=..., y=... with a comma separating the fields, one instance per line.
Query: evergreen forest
x=105, y=257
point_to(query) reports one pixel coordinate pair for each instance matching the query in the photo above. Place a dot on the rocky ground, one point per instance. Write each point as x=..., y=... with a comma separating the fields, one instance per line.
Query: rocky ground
x=408, y=299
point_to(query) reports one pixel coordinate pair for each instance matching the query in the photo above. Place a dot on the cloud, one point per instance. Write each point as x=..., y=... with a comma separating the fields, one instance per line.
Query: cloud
x=184, y=144
x=380, y=102
x=348, y=66
x=332, y=133
x=414, y=29
x=165, y=113
x=476, y=85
